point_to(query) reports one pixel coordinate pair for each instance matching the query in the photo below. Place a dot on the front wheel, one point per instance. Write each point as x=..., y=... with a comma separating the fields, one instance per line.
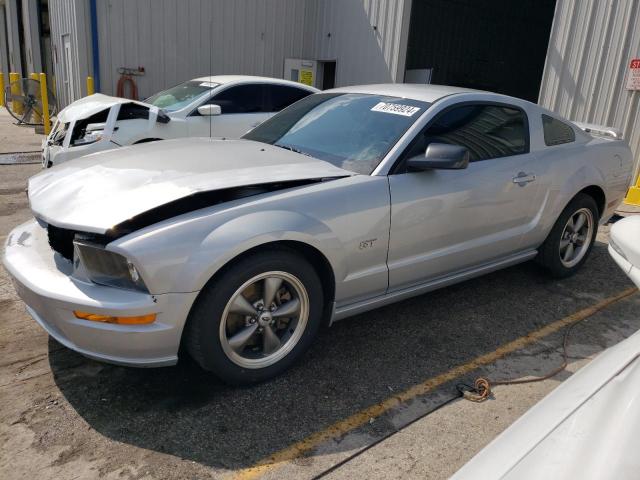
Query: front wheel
x=257, y=318
x=571, y=238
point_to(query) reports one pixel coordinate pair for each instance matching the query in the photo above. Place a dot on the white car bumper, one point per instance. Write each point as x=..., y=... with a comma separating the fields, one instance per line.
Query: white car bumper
x=624, y=246
x=42, y=279
x=632, y=271
x=53, y=155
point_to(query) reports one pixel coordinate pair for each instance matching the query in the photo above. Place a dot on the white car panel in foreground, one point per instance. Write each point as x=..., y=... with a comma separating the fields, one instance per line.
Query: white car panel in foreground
x=587, y=428
x=624, y=246
x=101, y=122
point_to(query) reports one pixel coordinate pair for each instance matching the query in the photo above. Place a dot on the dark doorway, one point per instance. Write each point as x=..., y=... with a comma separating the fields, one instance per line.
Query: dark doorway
x=328, y=75
x=495, y=45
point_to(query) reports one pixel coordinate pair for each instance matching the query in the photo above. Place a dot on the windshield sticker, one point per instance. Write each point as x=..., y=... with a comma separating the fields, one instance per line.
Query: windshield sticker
x=209, y=84
x=396, y=109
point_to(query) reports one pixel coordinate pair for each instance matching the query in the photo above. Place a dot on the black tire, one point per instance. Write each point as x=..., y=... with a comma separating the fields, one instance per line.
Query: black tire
x=549, y=251
x=202, y=332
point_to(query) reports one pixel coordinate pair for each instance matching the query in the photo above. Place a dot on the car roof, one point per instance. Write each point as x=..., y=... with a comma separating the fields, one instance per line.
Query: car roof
x=422, y=92
x=224, y=79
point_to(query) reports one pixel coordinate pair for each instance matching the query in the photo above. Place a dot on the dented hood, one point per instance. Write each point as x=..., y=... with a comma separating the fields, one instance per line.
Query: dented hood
x=99, y=191
x=87, y=106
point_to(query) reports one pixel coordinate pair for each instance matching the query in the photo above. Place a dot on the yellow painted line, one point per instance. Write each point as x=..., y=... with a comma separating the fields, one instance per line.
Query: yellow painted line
x=362, y=417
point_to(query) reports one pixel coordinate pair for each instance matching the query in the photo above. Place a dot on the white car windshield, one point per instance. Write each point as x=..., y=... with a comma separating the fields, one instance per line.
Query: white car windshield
x=353, y=131
x=181, y=95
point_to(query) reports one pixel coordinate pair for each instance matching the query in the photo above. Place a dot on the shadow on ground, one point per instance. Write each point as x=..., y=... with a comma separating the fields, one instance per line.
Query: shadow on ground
x=186, y=412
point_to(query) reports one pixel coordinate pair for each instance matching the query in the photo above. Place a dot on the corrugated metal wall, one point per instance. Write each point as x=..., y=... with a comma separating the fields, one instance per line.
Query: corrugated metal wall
x=31, y=36
x=13, y=37
x=4, y=48
x=367, y=38
x=70, y=17
x=591, y=45
x=175, y=40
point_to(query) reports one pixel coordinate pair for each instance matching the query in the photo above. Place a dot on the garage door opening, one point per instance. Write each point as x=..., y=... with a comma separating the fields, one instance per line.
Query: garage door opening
x=495, y=45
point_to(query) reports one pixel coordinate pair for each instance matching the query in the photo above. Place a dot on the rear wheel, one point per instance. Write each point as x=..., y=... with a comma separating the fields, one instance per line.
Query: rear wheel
x=257, y=318
x=571, y=239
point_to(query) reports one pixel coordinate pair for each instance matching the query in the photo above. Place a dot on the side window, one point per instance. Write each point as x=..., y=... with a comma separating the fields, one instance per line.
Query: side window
x=281, y=96
x=487, y=131
x=556, y=132
x=241, y=99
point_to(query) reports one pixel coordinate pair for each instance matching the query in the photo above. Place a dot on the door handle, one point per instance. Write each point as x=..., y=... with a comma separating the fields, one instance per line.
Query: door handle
x=523, y=178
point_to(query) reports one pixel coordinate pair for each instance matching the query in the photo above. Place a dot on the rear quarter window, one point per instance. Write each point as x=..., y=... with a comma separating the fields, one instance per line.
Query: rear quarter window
x=556, y=132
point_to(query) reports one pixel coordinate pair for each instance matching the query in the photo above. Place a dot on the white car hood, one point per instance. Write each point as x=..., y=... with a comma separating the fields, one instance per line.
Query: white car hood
x=587, y=428
x=87, y=106
x=99, y=191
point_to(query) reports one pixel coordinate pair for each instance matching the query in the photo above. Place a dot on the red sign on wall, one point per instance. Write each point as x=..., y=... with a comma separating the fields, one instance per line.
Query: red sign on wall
x=633, y=80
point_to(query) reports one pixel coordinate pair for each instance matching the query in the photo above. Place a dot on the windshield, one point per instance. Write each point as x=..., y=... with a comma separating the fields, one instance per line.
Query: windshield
x=181, y=95
x=353, y=131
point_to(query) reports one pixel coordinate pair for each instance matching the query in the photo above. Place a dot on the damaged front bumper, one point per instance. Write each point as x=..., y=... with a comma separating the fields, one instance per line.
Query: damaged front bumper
x=56, y=154
x=44, y=281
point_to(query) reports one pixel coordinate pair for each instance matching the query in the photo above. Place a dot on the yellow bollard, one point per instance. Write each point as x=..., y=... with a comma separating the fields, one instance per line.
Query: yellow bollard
x=45, y=104
x=1, y=89
x=16, y=106
x=37, y=118
x=90, y=88
x=633, y=195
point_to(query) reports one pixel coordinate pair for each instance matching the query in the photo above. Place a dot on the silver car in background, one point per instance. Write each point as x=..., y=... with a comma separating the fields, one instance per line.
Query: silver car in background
x=347, y=200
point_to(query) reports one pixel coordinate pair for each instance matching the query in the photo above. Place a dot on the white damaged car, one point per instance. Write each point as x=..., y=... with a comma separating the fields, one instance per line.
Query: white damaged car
x=220, y=106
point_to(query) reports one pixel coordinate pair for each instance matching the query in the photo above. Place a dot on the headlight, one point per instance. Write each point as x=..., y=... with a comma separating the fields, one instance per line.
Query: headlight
x=108, y=268
x=89, y=137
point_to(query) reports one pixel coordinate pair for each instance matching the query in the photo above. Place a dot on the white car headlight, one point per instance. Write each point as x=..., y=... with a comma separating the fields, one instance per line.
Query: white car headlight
x=91, y=136
x=108, y=268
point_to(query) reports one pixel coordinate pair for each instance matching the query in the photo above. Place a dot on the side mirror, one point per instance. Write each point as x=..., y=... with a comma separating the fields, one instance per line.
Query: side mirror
x=163, y=117
x=441, y=156
x=209, y=110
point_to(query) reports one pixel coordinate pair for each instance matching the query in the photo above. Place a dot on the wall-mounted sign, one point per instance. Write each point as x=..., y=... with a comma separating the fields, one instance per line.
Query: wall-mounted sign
x=306, y=77
x=633, y=80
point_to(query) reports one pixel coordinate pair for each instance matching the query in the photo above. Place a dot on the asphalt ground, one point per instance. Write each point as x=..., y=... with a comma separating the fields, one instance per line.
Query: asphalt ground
x=348, y=404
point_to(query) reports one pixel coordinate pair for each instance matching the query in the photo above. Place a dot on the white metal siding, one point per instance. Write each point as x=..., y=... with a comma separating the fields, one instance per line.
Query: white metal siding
x=591, y=45
x=13, y=38
x=175, y=40
x=71, y=17
x=4, y=52
x=31, y=36
x=367, y=38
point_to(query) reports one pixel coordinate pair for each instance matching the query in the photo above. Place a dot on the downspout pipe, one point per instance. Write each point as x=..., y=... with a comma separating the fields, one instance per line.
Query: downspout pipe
x=94, y=43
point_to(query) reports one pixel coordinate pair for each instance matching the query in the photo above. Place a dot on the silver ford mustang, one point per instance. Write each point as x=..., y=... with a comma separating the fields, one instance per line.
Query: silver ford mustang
x=238, y=250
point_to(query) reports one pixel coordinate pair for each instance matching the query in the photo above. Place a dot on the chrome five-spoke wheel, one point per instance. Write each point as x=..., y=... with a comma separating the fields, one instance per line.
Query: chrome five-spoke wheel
x=576, y=236
x=569, y=242
x=264, y=319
